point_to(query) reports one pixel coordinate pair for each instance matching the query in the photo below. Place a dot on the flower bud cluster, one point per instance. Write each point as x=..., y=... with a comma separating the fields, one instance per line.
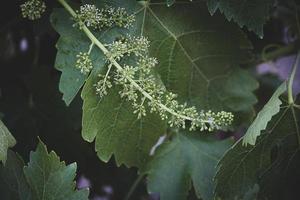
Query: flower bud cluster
x=104, y=83
x=138, y=46
x=107, y=17
x=151, y=96
x=33, y=9
x=84, y=63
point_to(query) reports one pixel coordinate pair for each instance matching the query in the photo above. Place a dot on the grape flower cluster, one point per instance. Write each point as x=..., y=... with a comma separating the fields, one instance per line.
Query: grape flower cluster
x=84, y=63
x=97, y=19
x=91, y=16
x=33, y=9
x=137, y=80
x=150, y=94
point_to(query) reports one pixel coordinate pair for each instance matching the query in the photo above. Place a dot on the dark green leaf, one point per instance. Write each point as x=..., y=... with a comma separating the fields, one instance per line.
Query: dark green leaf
x=45, y=177
x=264, y=164
x=187, y=158
x=13, y=184
x=49, y=178
x=199, y=56
x=250, y=13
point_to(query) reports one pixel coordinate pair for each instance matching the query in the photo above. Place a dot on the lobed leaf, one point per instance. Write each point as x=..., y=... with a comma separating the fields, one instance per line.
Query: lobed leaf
x=45, y=177
x=49, y=178
x=187, y=158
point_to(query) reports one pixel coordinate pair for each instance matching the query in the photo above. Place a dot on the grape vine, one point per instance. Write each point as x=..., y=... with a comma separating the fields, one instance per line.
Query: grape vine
x=138, y=79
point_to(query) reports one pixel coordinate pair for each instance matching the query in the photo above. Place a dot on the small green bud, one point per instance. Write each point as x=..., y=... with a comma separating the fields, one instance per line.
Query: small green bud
x=84, y=63
x=103, y=85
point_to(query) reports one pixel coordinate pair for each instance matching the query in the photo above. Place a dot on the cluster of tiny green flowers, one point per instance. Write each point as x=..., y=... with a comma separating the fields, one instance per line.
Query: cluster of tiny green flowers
x=104, y=83
x=33, y=9
x=212, y=121
x=127, y=46
x=84, y=63
x=98, y=19
x=162, y=102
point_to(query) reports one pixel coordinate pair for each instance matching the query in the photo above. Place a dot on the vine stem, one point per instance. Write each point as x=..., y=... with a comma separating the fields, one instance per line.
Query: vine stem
x=94, y=40
x=134, y=186
x=291, y=79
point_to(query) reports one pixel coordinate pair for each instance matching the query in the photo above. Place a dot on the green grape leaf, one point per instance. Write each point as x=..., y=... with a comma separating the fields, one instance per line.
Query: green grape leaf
x=199, y=56
x=45, y=177
x=13, y=184
x=6, y=141
x=71, y=42
x=187, y=158
x=117, y=129
x=250, y=13
x=271, y=108
x=49, y=178
x=266, y=163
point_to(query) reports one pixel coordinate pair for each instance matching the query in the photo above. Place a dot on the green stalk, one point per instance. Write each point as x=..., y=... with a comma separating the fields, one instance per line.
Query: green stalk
x=291, y=80
x=134, y=186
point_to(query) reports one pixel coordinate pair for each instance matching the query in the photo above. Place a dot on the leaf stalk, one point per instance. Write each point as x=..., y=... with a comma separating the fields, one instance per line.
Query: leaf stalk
x=291, y=80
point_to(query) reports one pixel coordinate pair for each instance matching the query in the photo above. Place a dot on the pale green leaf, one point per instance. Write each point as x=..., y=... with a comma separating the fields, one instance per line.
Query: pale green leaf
x=49, y=178
x=250, y=13
x=271, y=108
x=187, y=158
x=6, y=141
x=266, y=163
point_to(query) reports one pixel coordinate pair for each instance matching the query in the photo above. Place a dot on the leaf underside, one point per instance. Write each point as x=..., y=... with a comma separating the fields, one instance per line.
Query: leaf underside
x=271, y=108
